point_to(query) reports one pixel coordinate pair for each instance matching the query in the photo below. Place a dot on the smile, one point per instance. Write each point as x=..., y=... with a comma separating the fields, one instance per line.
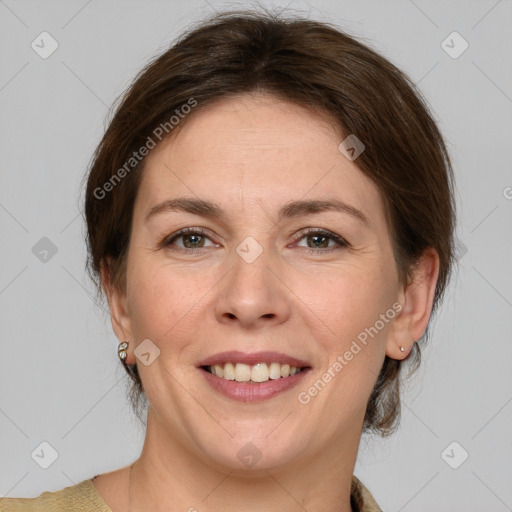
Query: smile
x=253, y=377
x=260, y=372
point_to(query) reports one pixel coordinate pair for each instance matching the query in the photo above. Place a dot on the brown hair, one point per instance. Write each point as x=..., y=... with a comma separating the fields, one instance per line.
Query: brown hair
x=312, y=64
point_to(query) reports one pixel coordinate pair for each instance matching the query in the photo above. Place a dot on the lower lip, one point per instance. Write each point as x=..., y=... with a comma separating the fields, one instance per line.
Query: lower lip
x=255, y=392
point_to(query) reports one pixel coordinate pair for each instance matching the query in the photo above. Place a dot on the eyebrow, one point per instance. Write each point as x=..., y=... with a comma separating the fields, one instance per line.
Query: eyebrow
x=290, y=210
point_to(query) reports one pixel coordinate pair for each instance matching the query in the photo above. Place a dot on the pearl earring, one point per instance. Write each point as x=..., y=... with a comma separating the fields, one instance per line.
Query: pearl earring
x=121, y=351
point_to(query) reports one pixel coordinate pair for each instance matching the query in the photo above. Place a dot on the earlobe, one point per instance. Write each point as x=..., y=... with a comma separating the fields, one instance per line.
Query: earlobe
x=117, y=305
x=417, y=299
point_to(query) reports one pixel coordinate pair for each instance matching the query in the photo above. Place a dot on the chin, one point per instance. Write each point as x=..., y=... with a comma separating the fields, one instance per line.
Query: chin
x=252, y=453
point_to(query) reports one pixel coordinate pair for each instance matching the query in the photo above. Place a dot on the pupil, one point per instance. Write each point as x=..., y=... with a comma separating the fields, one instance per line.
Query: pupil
x=320, y=238
x=192, y=240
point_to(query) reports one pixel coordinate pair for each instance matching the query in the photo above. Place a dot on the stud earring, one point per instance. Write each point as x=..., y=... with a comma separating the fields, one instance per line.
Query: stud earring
x=402, y=349
x=121, y=351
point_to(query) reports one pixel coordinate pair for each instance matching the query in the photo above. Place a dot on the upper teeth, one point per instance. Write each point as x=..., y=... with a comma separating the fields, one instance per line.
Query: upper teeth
x=260, y=372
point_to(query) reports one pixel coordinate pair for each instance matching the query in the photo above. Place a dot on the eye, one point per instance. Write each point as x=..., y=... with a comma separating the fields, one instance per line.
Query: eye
x=321, y=240
x=317, y=240
x=191, y=238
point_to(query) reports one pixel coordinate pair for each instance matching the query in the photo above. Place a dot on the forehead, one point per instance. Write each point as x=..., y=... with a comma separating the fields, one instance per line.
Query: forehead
x=256, y=128
x=252, y=149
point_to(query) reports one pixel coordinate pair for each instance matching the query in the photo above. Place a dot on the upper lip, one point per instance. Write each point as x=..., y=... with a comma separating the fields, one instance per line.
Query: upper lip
x=253, y=358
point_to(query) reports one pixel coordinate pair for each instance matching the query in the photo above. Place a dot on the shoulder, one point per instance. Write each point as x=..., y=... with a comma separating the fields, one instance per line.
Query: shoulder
x=361, y=499
x=77, y=498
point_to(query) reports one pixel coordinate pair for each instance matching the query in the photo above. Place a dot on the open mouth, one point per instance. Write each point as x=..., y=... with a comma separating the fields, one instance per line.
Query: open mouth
x=256, y=373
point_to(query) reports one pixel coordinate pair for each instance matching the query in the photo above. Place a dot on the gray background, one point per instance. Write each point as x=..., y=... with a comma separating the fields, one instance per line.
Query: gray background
x=60, y=379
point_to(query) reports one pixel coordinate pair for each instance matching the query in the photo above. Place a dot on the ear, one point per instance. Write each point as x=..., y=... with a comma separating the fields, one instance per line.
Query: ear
x=117, y=303
x=417, y=299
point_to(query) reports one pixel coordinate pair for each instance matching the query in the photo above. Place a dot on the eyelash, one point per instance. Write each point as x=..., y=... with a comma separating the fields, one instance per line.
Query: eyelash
x=309, y=232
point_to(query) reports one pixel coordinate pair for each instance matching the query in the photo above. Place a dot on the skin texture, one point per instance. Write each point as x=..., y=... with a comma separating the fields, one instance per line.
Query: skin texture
x=251, y=155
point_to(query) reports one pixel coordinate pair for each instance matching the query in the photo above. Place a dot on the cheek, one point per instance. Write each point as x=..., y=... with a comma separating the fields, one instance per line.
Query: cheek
x=350, y=303
x=169, y=304
x=351, y=299
x=162, y=300
x=356, y=307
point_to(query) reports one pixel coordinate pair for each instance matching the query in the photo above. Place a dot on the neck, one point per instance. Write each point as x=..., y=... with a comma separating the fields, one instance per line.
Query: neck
x=167, y=472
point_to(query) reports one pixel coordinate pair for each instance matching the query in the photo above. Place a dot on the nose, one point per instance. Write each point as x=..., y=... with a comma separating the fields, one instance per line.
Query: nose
x=253, y=295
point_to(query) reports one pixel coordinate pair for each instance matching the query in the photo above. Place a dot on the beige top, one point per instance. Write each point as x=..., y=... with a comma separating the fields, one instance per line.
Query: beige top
x=84, y=497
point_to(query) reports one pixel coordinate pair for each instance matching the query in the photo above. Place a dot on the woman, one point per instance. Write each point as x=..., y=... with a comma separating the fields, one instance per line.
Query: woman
x=270, y=216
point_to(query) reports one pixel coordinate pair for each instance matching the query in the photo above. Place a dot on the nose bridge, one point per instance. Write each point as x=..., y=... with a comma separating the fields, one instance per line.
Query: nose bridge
x=251, y=292
x=250, y=273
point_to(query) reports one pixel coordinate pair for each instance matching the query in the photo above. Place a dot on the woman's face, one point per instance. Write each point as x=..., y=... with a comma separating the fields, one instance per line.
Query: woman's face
x=252, y=282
